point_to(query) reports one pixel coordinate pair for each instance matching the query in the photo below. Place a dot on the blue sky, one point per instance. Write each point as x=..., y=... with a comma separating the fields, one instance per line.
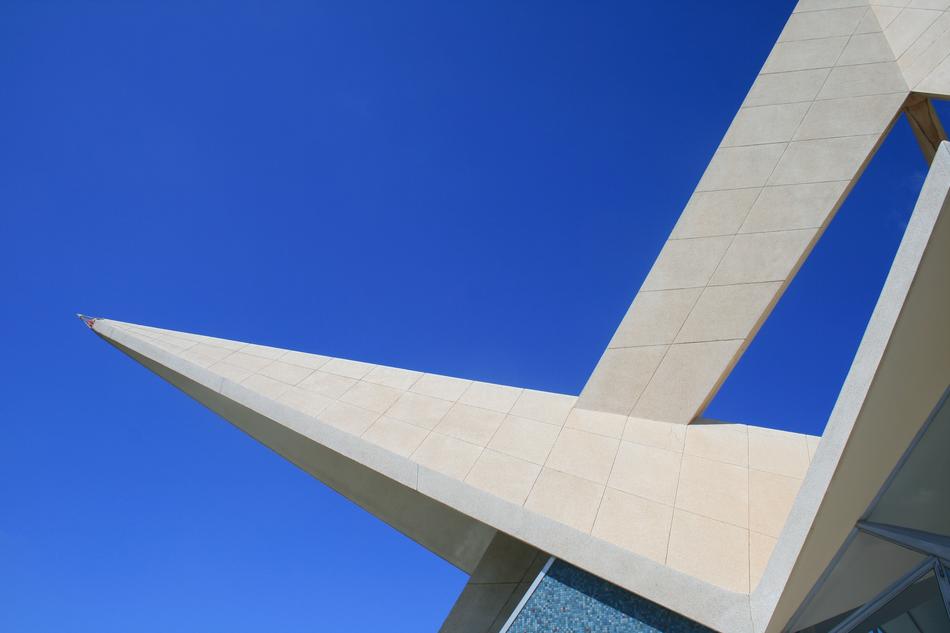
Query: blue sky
x=474, y=189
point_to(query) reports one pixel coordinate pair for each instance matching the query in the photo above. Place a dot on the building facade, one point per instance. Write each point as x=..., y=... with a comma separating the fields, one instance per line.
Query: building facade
x=622, y=509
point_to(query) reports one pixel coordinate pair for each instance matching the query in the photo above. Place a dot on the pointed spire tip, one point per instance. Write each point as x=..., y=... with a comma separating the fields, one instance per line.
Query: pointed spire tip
x=88, y=320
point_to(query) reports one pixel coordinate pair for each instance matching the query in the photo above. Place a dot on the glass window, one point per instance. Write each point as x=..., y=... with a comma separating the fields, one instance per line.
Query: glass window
x=910, y=515
x=917, y=495
x=918, y=609
x=867, y=567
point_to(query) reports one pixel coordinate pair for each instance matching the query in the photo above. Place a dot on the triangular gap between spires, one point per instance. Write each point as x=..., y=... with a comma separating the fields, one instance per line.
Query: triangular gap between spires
x=790, y=375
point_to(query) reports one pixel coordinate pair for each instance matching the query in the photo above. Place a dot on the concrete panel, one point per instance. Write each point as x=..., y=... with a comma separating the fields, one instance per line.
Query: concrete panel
x=655, y=433
x=471, y=424
x=787, y=207
x=349, y=418
x=886, y=12
x=420, y=410
x=712, y=213
x=927, y=51
x=634, y=523
x=343, y=367
x=526, y=439
x=803, y=55
x=728, y=312
x=447, y=455
x=568, y=499
x=264, y=385
x=322, y=383
x=770, y=500
x=864, y=79
x=401, y=438
x=714, y=489
x=310, y=403
x=286, y=373
x=824, y=5
x=762, y=257
x=620, y=377
x=598, y=422
x=937, y=83
x=787, y=87
x=310, y=361
x=583, y=454
x=704, y=547
x=765, y=124
x=686, y=263
x=249, y=362
x=442, y=387
x=778, y=452
x=869, y=48
x=488, y=396
x=727, y=443
x=543, y=406
x=760, y=550
x=647, y=472
x=907, y=28
x=823, y=160
x=688, y=375
x=394, y=377
x=817, y=24
x=371, y=396
x=265, y=351
x=655, y=317
x=504, y=476
x=850, y=116
x=740, y=167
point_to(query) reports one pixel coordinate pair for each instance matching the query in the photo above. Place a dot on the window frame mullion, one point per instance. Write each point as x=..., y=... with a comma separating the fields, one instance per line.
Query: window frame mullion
x=922, y=569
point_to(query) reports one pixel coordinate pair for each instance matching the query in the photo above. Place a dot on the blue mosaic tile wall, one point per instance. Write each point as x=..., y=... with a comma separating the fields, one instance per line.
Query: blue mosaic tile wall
x=569, y=600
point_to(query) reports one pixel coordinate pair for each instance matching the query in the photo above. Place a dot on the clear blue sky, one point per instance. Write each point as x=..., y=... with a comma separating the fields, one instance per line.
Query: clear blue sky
x=476, y=189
